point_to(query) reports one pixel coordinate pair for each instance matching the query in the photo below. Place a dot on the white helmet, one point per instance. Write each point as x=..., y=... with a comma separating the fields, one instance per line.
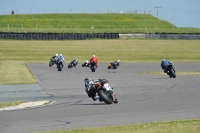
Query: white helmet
x=60, y=54
x=118, y=60
x=56, y=54
x=93, y=56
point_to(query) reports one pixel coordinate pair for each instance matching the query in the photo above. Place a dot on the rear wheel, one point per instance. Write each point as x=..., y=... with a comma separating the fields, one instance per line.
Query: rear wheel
x=104, y=97
x=172, y=73
x=93, y=69
x=60, y=67
x=109, y=67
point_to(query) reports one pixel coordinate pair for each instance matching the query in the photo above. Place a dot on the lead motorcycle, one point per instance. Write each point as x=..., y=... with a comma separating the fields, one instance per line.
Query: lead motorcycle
x=60, y=63
x=100, y=88
x=86, y=64
x=171, y=71
x=114, y=65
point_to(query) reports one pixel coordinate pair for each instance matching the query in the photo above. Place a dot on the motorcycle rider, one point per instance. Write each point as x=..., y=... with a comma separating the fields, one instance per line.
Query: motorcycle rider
x=94, y=59
x=165, y=64
x=55, y=57
x=87, y=62
x=117, y=62
x=88, y=88
x=60, y=57
x=74, y=62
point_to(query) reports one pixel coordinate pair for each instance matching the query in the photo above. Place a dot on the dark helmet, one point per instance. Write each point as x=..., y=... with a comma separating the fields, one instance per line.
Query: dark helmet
x=87, y=80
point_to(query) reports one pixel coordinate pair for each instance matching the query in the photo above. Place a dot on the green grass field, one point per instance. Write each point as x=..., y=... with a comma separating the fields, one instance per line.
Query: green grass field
x=82, y=23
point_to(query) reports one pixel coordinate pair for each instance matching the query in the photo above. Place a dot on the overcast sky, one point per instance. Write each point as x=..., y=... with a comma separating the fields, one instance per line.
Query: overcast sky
x=182, y=13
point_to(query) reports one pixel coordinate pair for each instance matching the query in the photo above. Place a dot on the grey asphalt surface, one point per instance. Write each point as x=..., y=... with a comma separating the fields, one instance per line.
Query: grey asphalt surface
x=142, y=98
x=26, y=92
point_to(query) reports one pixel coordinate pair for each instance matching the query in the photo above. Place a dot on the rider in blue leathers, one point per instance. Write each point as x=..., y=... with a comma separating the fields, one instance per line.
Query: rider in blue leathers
x=165, y=64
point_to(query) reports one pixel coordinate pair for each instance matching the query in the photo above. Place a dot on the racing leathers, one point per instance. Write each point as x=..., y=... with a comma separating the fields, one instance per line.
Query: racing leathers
x=94, y=59
x=165, y=64
x=90, y=90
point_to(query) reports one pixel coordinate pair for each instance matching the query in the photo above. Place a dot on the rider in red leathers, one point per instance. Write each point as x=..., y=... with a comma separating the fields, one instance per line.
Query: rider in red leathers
x=94, y=59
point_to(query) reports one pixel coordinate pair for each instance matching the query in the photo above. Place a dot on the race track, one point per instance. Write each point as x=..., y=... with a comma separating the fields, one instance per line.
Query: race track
x=142, y=98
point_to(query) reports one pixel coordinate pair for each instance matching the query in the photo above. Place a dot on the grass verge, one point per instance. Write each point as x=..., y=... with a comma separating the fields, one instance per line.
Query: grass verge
x=8, y=104
x=15, y=72
x=184, y=126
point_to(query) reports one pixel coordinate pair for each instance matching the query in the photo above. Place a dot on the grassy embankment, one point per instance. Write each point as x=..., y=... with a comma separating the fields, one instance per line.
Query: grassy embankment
x=15, y=54
x=82, y=23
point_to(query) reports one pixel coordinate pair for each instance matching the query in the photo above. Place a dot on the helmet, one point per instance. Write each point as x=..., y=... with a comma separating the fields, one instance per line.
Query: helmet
x=56, y=54
x=118, y=60
x=76, y=58
x=93, y=56
x=87, y=80
x=102, y=80
x=163, y=60
x=87, y=83
x=60, y=54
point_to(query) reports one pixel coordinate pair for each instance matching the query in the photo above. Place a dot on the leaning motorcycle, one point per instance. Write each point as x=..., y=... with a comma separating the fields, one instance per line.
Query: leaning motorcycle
x=103, y=90
x=60, y=64
x=171, y=71
x=93, y=66
x=73, y=63
x=86, y=64
x=51, y=62
x=113, y=65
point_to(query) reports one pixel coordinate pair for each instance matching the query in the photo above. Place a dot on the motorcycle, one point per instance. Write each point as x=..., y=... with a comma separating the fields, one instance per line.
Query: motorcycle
x=103, y=90
x=114, y=65
x=171, y=71
x=93, y=65
x=52, y=62
x=73, y=63
x=86, y=64
x=60, y=64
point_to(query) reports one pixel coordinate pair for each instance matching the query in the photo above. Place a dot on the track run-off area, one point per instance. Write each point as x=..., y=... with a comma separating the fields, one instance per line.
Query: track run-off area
x=142, y=98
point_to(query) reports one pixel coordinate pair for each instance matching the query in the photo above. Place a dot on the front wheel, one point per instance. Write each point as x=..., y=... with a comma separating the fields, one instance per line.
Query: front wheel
x=104, y=97
x=70, y=66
